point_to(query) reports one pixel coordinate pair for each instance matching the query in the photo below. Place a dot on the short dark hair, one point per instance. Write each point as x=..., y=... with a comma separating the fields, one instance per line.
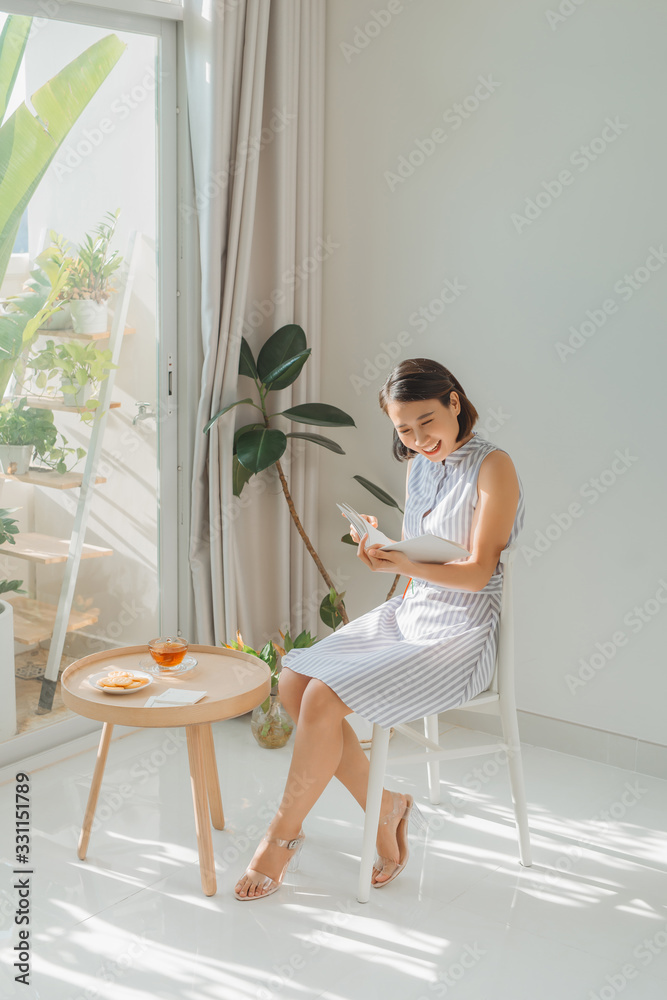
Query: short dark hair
x=421, y=378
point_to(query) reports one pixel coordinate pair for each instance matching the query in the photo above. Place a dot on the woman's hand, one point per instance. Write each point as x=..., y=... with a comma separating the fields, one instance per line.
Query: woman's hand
x=385, y=561
x=353, y=531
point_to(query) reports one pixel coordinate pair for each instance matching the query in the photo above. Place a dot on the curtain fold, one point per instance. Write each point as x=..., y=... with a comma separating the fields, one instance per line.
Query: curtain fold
x=255, y=73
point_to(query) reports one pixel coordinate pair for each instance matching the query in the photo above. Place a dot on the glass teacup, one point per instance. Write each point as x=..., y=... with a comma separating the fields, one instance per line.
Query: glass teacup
x=168, y=651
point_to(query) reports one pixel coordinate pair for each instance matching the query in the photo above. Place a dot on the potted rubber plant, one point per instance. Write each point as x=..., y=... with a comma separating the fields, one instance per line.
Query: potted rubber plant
x=89, y=283
x=270, y=724
x=259, y=445
x=78, y=367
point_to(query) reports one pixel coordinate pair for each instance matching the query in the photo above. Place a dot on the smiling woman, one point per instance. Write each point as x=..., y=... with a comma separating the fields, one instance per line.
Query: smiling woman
x=417, y=655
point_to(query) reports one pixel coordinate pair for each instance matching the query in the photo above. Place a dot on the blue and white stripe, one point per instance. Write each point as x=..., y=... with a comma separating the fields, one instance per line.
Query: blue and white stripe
x=435, y=648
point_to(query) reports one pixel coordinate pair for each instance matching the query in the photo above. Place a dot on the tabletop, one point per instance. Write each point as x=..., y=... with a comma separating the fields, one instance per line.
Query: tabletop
x=235, y=683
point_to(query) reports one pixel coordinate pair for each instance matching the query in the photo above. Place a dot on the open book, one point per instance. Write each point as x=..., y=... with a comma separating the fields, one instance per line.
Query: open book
x=423, y=548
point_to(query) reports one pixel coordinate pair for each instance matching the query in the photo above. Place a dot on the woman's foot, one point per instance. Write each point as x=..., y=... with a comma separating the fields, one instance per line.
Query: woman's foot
x=392, y=811
x=270, y=861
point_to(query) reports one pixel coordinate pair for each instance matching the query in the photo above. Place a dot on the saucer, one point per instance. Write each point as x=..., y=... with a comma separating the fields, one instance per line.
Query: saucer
x=187, y=663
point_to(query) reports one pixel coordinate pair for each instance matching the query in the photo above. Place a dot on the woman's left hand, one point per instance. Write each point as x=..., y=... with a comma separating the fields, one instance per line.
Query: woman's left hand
x=387, y=561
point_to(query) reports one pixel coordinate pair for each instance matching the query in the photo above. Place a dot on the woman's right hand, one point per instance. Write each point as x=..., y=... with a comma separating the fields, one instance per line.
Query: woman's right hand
x=353, y=531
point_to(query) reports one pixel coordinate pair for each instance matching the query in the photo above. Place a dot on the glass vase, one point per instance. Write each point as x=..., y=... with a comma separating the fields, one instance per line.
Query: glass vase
x=271, y=725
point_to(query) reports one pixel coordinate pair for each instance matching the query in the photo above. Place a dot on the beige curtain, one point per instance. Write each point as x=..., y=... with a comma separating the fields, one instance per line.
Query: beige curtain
x=255, y=101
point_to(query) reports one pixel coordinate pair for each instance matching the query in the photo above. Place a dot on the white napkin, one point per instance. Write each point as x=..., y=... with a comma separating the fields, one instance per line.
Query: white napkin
x=175, y=696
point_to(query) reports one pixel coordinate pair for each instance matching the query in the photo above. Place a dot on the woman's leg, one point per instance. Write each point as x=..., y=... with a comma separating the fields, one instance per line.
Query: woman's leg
x=325, y=744
x=353, y=768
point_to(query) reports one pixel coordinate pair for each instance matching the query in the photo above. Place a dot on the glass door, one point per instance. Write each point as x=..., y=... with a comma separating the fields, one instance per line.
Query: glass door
x=95, y=509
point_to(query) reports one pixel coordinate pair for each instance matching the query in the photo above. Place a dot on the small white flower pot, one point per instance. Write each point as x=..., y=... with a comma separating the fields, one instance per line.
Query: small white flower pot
x=60, y=320
x=7, y=681
x=15, y=458
x=89, y=316
x=80, y=397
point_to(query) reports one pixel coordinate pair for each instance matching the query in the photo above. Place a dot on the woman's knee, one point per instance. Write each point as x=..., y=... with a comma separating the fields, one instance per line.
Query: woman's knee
x=291, y=686
x=319, y=699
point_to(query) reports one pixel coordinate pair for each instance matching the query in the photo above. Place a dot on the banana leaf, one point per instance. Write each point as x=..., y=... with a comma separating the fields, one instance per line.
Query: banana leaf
x=28, y=143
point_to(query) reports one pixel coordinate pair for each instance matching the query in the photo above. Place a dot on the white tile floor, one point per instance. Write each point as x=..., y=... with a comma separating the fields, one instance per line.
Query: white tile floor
x=588, y=920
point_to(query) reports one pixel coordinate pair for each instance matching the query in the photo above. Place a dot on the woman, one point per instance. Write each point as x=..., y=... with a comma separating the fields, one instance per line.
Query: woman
x=427, y=651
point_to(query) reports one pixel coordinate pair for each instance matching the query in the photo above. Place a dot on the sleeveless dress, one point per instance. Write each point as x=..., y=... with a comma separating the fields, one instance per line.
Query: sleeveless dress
x=434, y=648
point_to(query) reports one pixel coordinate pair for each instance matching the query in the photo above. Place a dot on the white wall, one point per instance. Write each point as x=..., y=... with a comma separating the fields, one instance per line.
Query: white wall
x=553, y=83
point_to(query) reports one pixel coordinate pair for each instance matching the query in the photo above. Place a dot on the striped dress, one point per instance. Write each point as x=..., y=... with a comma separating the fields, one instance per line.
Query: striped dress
x=434, y=648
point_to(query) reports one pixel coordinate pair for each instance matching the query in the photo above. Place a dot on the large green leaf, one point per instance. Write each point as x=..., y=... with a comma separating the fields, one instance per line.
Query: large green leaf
x=259, y=449
x=319, y=413
x=287, y=372
x=242, y=430
x=12, y=46
x=247, y=364
x=377, y=492
x=317, y=439
x=224, y=410
x=281, y=346
x=240, y=476
x=28, y=143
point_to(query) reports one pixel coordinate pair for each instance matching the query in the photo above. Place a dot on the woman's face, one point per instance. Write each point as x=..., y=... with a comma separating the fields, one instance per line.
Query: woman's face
x=428, y=427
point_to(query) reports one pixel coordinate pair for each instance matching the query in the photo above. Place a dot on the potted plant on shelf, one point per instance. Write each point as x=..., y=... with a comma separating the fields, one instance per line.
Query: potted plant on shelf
x=270, y=724
x=89, y=284
x=80, y=369
x=24, y=430
x=8, y=529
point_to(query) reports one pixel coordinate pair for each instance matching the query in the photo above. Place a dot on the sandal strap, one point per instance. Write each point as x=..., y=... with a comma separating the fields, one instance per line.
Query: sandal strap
x=398, y=810
x=290, y=844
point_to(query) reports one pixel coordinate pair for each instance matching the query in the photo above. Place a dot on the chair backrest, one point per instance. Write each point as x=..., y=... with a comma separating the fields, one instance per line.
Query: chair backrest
x=503, y=674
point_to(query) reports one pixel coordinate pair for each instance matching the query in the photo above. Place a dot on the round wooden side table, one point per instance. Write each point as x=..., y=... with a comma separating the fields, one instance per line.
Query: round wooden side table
x=235, y=683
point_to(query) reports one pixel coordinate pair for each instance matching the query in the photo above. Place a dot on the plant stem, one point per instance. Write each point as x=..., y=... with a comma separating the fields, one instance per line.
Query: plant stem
x=306, y=540
x=393, y=586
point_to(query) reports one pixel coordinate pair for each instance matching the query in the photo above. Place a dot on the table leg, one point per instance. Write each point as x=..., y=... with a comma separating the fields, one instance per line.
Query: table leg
x=199, y=797
x=102, y=751
x=212, y=780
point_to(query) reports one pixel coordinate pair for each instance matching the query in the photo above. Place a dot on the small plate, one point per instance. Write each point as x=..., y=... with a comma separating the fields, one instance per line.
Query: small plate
x=94, y=678
x=187, y=663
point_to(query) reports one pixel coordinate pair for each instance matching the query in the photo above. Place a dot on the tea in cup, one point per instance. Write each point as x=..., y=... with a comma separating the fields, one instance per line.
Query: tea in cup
x=168, y=651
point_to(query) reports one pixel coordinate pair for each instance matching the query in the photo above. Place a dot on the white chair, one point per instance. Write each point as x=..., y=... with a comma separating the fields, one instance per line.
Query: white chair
x=498, y=699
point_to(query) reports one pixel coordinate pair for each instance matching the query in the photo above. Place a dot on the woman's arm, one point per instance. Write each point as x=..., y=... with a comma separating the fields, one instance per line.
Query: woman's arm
x=498, y=498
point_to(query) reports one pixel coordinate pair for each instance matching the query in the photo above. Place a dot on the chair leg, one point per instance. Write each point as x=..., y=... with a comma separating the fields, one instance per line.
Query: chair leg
x=378, y=766
x=511, y=736
x=433, y=766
